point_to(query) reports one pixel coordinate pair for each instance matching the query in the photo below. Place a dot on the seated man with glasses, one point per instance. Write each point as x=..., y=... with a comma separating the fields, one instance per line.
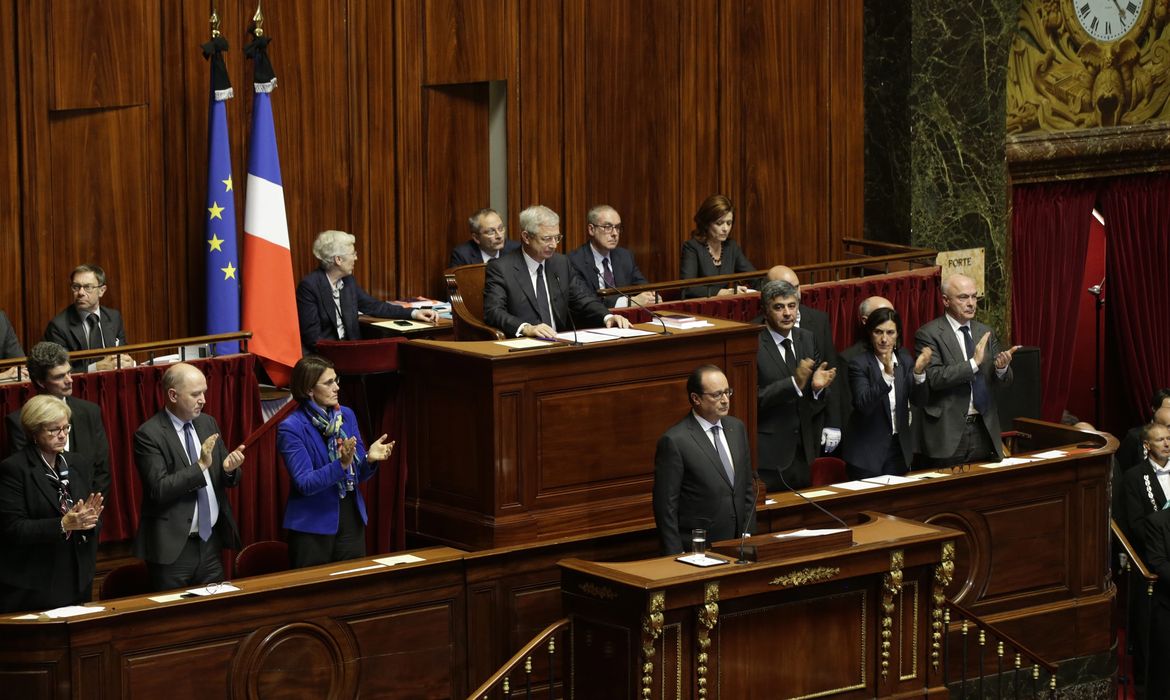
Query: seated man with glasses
x=703, y=469
x=489, y=240
x=960, y=418
x=533, y=291
x=87, y=324
x=602, y=264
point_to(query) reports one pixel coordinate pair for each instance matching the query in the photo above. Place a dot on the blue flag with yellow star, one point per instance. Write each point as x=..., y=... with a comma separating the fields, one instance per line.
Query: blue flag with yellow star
x=219, y=241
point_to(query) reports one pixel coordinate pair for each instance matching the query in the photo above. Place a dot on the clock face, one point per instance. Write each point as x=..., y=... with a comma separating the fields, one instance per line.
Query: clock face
x=1107, y=20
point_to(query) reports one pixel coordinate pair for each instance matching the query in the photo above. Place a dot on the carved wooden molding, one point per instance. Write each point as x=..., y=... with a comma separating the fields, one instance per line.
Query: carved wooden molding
x=1089, y=153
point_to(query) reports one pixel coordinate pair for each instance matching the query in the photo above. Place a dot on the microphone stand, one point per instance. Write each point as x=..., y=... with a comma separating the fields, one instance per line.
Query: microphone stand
x=568, y=308
x=810, y=501
x=751, y=516
x=653, y=315
x=1097, y=290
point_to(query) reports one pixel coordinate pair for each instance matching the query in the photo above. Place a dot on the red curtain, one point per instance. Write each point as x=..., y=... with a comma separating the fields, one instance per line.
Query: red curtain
x=1050, y=236
x=1137, y=267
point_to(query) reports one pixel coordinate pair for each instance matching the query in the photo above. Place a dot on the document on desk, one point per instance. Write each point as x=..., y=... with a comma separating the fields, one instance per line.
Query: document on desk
x=72, y=611
x=856, y=485
x=399, y=559
x=1007, y=462
x=816, y=494
x=524, y=343
x=701, y=560
x=403, y=325
x=624, y=332
x=890, y=479
x=585, y=336
x=211, y=589
x=360, y=568
x=1050, y=454
x=807, y=532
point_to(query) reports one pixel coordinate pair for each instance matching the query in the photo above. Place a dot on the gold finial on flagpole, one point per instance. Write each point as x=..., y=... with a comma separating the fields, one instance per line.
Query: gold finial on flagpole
x=258, y=20
x=214, y=21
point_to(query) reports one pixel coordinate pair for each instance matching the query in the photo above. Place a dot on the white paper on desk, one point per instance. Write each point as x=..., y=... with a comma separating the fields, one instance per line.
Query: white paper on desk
x=807, y=532
x=624, y=332
x=815, y=494
x=769, y=501
x=360, y=568
x=584, y=337
x=856, y=485
x=523, y=343
x=212, y=589
x=1050, y=454
x=403, y=325
x=29, y=616
x=1008, y=462
x=929, y=475
x=168, y=598
x=701, y=560
x=399, y=559
x=72, y=611
x=889, y=479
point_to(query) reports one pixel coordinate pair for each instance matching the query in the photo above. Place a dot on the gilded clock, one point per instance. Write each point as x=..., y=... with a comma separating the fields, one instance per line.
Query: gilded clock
x=1105, y=21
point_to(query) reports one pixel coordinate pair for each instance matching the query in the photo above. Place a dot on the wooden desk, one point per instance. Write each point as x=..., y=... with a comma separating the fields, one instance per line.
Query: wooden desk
x=808, y=626
x=511, y=447
x=395, y=629
x=442, y=329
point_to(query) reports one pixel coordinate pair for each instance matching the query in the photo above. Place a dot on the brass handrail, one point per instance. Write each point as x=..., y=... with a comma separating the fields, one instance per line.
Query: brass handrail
x=149, y=348
x=1131, y=552
x=1032, y=656
x=517, y=659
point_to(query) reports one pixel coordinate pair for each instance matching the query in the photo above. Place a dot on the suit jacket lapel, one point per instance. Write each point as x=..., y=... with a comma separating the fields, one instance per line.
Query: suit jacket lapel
x=77, y=327
x=520, y=271
x=773, y=352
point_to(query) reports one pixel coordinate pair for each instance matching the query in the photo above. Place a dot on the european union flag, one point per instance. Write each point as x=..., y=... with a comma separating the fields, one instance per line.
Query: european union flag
x=219, y=244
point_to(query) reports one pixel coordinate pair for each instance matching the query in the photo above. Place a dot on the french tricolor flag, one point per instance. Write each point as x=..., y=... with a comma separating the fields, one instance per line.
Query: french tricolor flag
x=270, y=309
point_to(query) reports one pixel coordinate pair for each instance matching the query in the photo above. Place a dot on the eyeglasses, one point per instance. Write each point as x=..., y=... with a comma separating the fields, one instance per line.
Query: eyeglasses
x=89, y=288
x=63, y=430
x=716, y=395
x=608, y=228
x=501, y=229
x=545, y=240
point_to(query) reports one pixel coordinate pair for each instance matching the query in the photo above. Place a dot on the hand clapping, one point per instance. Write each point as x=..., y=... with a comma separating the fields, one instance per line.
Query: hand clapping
x=923, y=360
x=380, y=450
x=84, y=515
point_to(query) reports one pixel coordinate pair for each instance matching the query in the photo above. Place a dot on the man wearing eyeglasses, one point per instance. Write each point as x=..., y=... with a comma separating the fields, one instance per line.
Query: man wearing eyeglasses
x=489, y=240
x=601, y=263
x=703, y=468
x=86, y=324
x=960, y=418
x=532, y=291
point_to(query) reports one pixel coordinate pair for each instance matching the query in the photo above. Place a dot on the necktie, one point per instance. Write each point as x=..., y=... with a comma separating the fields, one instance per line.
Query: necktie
x=789, y=356
x=727, y=467
x=979, y=396
x=542, y=306
x=202, y=502
x=95, y=332
x=607, y=273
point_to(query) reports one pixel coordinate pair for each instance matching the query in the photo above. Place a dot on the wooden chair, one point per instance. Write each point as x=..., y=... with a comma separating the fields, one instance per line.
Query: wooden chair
x=465, y=287
x=265, y=557
x=827, y=470
x=127, y=580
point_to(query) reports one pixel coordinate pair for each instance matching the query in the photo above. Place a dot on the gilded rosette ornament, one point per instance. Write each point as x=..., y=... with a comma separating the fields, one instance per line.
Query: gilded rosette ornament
x=708, y=616
x=944, y=573
x=651, y=631
x=1080, y=64
x=891, y=587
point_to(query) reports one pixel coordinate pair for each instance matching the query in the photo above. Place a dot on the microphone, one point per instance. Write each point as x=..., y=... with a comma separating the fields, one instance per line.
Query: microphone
x=653, y=314
x=568, y=307
x=806, y=499
x=751, y=516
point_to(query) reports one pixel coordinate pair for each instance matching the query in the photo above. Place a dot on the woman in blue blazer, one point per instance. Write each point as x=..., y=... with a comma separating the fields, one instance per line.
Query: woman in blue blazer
x=325, y=456
x=884, y=385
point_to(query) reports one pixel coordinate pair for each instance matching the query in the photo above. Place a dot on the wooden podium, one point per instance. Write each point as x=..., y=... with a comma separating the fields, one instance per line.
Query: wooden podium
x=514, y=447
x=862, y=621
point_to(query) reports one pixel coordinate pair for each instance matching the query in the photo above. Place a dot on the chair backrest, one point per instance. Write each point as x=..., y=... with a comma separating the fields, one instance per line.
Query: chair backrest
x=465, y=287
x=827, y=470
x=127, y=580
x=265, y=557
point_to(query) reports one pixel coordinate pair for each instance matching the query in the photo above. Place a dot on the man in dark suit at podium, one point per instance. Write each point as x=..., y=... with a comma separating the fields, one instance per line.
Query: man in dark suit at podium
x=87, y=324
x=50, y=372
x=489, y=240
x=703, y=469
x=532, y=291
x=601, y=263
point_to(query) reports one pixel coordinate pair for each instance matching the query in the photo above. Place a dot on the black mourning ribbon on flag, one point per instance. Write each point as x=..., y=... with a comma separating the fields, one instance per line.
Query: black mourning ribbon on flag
x=257, y=50
x=213, y=51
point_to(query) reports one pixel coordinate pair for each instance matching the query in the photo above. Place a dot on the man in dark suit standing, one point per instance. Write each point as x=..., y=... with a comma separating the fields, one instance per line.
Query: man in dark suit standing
x=703, y=469
x=489, y=239
x=184, y=466
x=602, y=264
x=1132, y=449
x=533, y=291
x=86, y=324
x=960, y=418
x=792, y=376
x=1145, y=485
x=51, y=373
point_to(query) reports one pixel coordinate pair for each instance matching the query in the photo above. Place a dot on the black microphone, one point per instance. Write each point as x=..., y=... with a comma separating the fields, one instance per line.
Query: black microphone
x=568, y=307
x=654, y=315
x=806, y=499
x=751, y=516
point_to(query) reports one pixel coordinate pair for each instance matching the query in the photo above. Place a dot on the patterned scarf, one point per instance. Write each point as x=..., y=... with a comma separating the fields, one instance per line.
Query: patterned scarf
x=330, y=427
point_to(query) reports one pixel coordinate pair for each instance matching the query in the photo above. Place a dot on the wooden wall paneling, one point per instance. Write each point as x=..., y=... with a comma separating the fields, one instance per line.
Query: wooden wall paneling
x=846, y=112
x=541, y=47
x=631, y=117
x=96, y=52
x=465, y=41
x=409, y=153
x=12, y=263
x=782, y=217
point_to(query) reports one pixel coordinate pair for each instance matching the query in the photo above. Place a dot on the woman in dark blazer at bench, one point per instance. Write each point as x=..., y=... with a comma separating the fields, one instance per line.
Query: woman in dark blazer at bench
x=711, y=250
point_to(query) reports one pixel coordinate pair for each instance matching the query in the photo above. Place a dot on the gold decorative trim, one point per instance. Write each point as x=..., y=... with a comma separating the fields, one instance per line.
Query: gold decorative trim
x=804, y=577
x=943, y=575
x=598, y=591
x=651, y=631
x=708, y=615
x=891, y=587
x=913, y=595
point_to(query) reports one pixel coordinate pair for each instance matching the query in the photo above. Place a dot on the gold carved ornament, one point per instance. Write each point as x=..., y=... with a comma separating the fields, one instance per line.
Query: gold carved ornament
x=708, y=615
x=651, y=631
x=1081, y=64
x=944, y=573
x=804, y=577
x=891, y=587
